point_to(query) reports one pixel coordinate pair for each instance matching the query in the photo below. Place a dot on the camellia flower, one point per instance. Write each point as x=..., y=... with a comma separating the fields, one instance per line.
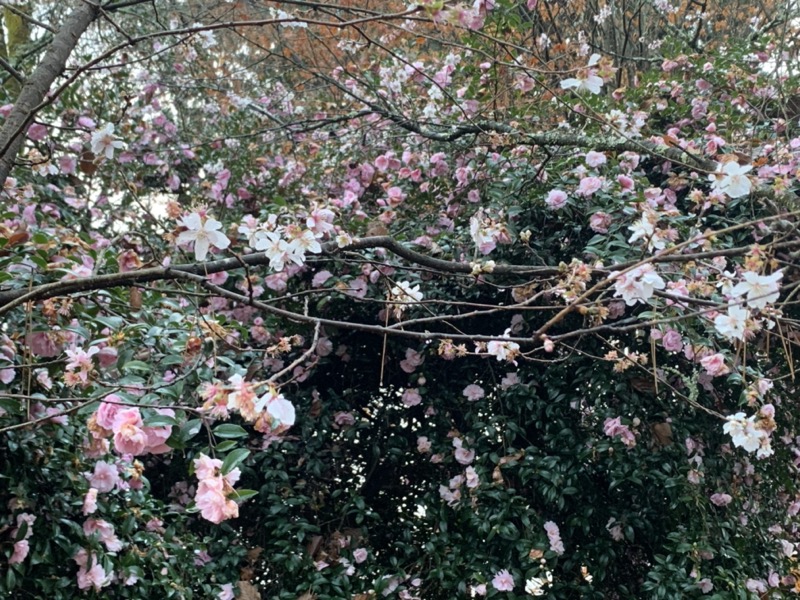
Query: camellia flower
x=638, y=285
x=503, y=350
x=587, y=78
x=732, y=325
x=503, y=581
x=743, y=431
x=760, y=289
x=104, y=142
x=537, y=586
x=204, y=234
x=731, y=180
x=403, y=294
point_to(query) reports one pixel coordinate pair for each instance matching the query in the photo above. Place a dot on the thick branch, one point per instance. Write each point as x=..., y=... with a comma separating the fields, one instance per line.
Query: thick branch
x=38, y=84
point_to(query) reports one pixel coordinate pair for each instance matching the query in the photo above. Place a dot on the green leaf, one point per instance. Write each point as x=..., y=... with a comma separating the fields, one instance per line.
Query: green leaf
x=160, y=421
x=190, y=429
x=229, y=430
x=136, y=365
x=242, y=495
x=234, y=459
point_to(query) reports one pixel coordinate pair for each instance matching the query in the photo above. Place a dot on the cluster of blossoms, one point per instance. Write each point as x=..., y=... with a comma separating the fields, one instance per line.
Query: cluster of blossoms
x=288, y=244
x=271, y=412
x=215, y=489
x=752, y=433
x=130, y=435
x=637, y=285
x=503, y=350
x=401, y=296
x=487, y=232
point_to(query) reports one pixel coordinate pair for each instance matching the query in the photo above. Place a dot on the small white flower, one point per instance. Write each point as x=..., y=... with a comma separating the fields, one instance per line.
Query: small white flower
x=402, y=295
x=760, y=289
x=732, y=325
x=104, y=142
x=204, y=234
x=730, y=179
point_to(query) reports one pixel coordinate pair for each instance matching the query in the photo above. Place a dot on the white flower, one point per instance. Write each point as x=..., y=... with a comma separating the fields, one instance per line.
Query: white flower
x=645, y=228
x=306, y=242
x=587, y=79
x=730, y=179
x=732, y=325
x=282, y=410
x=104, y=142
x=760, y=289
x=279, y=251
x=638, y=285
x=744, y=433
x=203, y=234
x=402, y=295
x=536, y=586
x=503, y=350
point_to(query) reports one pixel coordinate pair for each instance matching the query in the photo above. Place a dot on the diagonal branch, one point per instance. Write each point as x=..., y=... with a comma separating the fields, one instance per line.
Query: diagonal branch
x=38, y=84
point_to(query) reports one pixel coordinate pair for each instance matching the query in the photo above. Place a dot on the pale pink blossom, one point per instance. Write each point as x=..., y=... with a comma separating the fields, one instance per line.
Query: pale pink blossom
x=105, y=477
x=129, y=437
x=473, y=392
x=90, y=502
x=503, y=581
x=556, y=199
x=554, y=536
x=721, y=499
x=714, y=364
x=21, y=550
x=411, y=397
x=595, y=159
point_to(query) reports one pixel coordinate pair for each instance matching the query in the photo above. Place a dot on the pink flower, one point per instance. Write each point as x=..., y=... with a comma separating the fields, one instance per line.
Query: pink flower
x=588, y=186
x=464, y=456
x=599, y=222
x=411, y=397
x=213, y=504
x=105, y=477
x=423, y=445
x=473, y=392
x=206, y=467
x=90, y=502
x=615, y=428
x=21, y=550
x=503, y=581
x=554, y=536
x=672, y=341
x=714, y=365
x=226, y=593
x=705, y=585
x=95, y=577
x=556, y=199
x=158, y=436
x=129, y=437
x=595, y=159
x=107, y=411
x=721, y=499
x=360, y=555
